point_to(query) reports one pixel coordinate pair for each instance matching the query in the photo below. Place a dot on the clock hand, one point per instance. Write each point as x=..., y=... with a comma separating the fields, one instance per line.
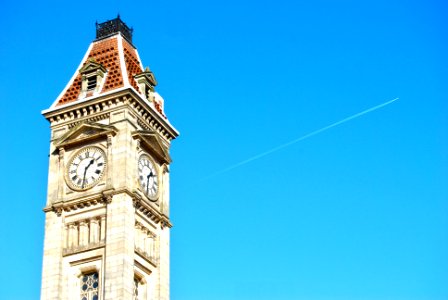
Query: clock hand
x=84, y=178
x=85, y=172
x=147, y=182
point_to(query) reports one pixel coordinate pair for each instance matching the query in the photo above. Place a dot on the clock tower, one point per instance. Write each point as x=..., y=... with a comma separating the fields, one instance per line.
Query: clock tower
x=107, y=226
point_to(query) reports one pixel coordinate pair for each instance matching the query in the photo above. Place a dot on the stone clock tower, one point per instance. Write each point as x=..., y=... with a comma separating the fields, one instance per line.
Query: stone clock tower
x=107, y=226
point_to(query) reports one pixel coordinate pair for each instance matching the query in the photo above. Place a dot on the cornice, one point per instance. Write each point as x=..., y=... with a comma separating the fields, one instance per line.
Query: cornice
x=99, y=108
x=150, y=212
x=79, y=203
x=106, y=197
x=79, y=249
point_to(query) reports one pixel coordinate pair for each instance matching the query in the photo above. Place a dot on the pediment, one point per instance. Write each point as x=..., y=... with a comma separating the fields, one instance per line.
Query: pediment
x=85, y=132
x=148, y=76
x=91, y=66
x=152, y=142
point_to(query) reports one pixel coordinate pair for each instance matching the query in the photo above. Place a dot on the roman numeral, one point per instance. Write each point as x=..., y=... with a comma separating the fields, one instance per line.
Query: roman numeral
x=98, y=171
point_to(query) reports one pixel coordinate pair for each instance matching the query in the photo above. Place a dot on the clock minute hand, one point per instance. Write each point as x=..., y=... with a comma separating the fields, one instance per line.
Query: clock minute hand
x=147, y=182
x=84, y=178
x=85, y=172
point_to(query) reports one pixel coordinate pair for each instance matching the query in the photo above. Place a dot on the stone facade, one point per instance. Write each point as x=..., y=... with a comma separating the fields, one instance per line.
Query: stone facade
x=109, y=240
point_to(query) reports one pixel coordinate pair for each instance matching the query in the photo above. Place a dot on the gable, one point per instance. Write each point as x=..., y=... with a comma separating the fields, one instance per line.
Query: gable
x=90, y=66
x=151, y=141
x=85, y=132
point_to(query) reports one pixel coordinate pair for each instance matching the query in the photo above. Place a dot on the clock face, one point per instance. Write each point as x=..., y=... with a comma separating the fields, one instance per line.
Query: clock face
x=147, y=175
x=86, y=168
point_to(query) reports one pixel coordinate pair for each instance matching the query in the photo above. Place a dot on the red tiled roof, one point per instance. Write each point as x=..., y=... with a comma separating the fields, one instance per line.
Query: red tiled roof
x=107, y=53
x=132, y=63
x=104, y=52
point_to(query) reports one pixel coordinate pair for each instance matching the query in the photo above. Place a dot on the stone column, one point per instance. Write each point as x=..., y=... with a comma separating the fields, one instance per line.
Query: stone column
x=66, y=236
x=102, y=228
x=61, y=173
x=110, y=162
x=72, y=235
x=149, y=244
x=94, y=231
x=83, y=233
x=165, y=205
x=138, y=235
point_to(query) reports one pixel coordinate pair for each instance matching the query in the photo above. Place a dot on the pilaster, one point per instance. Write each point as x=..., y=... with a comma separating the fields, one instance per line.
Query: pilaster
x=119, y=257
x=52, y=264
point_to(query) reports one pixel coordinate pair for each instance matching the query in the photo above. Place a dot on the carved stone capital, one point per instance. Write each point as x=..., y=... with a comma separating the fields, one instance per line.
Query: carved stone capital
x=61, y=153
x=107, y=196
x=165, y=222
x=107, y=199
x=94, y=221
x=136, y=201
x=109, y=140
x=58, y=209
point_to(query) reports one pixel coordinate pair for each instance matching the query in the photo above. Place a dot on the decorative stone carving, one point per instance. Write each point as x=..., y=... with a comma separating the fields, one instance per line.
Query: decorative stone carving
x=145, y=242
x=84, y=234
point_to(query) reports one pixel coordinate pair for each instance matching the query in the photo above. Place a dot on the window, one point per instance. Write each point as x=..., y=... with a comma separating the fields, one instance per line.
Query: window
x=89, y=286
x=93, y=75
x=136, y=284
x=146, y=83
x=91, y=83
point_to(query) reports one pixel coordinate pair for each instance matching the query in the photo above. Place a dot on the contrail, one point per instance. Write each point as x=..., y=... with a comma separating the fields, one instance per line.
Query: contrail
x=258, y=156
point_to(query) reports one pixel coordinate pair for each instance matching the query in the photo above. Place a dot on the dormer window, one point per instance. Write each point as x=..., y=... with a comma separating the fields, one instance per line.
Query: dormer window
x=92, y=78
x=91, y=82
x=146, y=82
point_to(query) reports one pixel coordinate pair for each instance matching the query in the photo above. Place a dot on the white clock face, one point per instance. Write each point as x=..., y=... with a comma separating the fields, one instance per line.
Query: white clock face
x=86, y=168
x=147, y=175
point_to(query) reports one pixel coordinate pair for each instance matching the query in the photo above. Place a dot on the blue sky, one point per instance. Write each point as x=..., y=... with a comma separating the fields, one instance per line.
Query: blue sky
x=359, y=211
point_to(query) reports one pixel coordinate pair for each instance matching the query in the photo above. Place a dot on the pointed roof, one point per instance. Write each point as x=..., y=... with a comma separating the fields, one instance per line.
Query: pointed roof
x=120, y=59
